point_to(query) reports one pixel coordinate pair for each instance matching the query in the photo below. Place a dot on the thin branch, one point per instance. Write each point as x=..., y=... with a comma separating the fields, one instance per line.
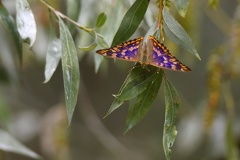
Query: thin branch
x=89, y=30
x=160, y=20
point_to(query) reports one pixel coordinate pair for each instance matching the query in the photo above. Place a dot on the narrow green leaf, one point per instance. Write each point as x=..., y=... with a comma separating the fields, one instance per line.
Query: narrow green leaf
x=115, y=105
x=97, y=61
x=132, y=75
x=137, y=85
x=182, y=7
x=73, y=11
x=25, y=22
x=101, y=19
x=9, y=24
x=177, y=34
x=70, y=67
x=52, y=58
x=142, y=103
x=133, y=88
x=97, y=58
x=172, y=106
x=102, y=41
x=53, y=53
x=130, y=21
x=89, y=47
x=10, y=144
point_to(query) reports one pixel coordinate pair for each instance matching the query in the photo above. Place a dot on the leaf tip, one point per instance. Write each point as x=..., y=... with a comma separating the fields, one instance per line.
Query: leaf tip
x=182, y=13
x=102, y=18
x=107, y=114
x=198, y=57
x=69, y=121
x=45, y=81
x=126, y=130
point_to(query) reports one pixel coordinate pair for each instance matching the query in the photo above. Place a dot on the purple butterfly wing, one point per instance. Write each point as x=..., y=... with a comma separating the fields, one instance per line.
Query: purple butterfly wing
x=125, y=51
x=162, y=58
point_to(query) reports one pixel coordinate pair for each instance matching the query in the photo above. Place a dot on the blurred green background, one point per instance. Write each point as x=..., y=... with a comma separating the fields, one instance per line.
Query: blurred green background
x=34, y=112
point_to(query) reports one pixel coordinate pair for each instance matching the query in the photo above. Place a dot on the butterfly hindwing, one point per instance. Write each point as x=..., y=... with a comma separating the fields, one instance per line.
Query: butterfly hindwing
x=161, y=57
x=125, y=51
x=154, y=53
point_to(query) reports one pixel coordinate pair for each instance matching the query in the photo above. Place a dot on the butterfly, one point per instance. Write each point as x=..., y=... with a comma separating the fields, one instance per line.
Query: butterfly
x=152, y=53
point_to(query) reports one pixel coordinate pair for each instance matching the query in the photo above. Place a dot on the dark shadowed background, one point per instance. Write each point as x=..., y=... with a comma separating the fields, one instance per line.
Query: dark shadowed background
x=34, y=112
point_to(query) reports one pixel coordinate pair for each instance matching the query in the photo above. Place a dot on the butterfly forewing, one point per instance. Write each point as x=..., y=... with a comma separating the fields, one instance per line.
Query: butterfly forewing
x=125, y=51
x=161, y=57
x=154, y=53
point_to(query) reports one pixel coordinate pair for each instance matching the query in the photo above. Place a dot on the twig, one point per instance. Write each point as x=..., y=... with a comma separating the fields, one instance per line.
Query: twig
x=160, y=20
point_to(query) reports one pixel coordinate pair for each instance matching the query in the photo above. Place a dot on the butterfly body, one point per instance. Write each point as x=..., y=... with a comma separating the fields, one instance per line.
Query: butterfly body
x=152, y=53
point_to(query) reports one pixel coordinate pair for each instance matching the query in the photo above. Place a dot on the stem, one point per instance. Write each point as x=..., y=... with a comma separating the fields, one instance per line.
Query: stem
x=46, y=4
x=228, y=99
x=160, y=20
x=232, y=152
x=89, y=30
